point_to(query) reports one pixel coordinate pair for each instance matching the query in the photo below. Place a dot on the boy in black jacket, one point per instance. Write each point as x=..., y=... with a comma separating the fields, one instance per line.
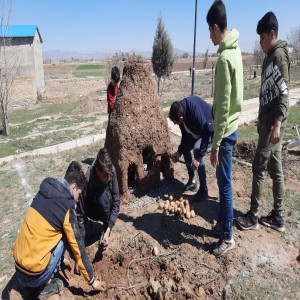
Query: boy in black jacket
x=193, y=115
x=101, y=201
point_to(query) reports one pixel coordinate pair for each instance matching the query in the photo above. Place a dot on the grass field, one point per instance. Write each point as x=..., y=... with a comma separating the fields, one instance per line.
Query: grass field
x=89, y=70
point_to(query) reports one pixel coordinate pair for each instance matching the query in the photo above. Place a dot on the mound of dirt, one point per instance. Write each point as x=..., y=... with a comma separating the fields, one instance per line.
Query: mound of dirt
x=245, y=149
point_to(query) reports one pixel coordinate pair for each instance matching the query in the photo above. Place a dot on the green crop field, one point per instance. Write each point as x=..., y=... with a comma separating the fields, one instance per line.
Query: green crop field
x=89, y=70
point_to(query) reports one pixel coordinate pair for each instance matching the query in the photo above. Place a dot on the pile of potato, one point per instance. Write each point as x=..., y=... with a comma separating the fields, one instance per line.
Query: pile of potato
x=180, y=206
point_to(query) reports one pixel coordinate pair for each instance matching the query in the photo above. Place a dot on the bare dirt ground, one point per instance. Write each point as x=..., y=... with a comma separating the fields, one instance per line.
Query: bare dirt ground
x=264, y=265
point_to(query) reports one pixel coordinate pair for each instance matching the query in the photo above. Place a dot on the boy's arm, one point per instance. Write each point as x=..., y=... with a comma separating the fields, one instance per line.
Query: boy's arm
x=281, y=79
x=221, y=102
x=115, y=209
x=71, y=230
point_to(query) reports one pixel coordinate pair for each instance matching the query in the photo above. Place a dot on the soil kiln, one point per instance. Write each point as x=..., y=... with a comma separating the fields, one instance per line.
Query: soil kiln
x=137, y=131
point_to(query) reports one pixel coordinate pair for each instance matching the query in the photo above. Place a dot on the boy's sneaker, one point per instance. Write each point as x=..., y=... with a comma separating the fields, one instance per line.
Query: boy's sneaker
x=222, y=246
x=274, y=221
x=200, y=195
x=190, y=186
x=53, y=287
x=247, y=221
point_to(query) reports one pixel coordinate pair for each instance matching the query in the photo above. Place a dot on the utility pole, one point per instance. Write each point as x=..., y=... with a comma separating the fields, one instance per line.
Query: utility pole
x=195, y=26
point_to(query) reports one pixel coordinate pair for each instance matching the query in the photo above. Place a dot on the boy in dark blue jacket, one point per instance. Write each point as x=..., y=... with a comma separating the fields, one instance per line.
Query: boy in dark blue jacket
x=193, y=115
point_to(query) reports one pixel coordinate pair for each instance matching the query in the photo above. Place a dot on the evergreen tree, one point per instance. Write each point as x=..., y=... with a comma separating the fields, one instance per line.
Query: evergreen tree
x=162, y=55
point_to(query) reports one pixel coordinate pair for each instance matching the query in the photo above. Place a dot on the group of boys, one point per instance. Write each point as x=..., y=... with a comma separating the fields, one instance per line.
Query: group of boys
x=203, y=126
x=51, y=222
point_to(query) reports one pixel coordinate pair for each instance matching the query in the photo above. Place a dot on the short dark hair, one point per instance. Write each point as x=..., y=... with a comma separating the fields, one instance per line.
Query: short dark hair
x=267, y=23
x=103, y=161
x=176, y=111
x=115, y=74
x=74, y=174
x=217, y=15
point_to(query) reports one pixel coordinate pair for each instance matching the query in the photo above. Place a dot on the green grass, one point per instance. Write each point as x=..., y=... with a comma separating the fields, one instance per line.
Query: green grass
x=251, y=90
x=28, y=114
x=89, y=70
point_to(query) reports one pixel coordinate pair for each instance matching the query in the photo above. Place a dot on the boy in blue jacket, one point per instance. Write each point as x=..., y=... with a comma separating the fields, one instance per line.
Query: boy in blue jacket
x=193, y=115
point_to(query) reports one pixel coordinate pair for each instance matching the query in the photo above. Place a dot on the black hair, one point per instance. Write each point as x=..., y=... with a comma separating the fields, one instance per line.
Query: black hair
x=115, y=74
x=176, y=111
x=267, y=23
x=217, y=15
x=74, y=174
x=103, y=161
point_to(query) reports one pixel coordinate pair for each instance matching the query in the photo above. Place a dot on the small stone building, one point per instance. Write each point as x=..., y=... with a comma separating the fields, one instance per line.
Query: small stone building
x=137, y=132
x=23, y=54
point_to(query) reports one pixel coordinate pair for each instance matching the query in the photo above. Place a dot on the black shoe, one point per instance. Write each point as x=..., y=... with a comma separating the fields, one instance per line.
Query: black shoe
x=247, y=221
x=190, y=186
x=274, y=221
x=200, y=195
x=53, y=287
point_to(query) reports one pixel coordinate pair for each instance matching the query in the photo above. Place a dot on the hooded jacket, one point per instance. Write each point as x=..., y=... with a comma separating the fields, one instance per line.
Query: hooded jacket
x=197, y=118
x=101, y=202
x=274, y=93
x=228, y=93
x=50, y=216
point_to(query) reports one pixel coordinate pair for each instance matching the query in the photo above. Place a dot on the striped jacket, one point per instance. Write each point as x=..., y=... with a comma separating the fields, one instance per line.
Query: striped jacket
x=50, y=216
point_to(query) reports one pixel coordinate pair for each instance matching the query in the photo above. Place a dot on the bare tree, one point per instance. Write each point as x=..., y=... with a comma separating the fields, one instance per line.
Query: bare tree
x=205, y=58
x=9, y=66
x=294, y=39
x=258, y=54
x=163, y=54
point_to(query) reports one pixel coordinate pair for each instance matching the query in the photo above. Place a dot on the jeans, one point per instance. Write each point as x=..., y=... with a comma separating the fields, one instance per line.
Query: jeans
x=36, y=281
x=201, y=169
x=224, y=179
x=267, y=157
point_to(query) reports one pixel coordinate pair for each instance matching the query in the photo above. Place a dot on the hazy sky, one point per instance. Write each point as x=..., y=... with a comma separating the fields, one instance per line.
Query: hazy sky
x=105, y=25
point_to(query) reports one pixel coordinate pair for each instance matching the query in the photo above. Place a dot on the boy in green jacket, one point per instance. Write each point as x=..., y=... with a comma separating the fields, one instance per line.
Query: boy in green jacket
x=227, y=106
x=272, y=119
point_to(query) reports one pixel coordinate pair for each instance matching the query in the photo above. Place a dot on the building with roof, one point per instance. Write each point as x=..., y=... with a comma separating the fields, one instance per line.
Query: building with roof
x=23, y=50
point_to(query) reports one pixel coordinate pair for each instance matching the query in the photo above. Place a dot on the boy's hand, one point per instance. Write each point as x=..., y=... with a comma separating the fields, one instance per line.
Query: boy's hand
x=214, y=160
x=175, y=157
x=105, y=239
x=275, y=132
x=99, y=285
x=195, y=164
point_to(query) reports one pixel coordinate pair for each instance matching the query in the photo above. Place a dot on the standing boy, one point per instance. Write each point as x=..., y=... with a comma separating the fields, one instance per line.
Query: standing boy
x=50, y=224
x=227, y=106
x=193, y=115
x=272, y=119
x=112, y=89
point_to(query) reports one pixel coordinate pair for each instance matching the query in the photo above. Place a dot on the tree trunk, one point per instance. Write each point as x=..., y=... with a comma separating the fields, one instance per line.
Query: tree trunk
x=158, y=85
x=5, y=126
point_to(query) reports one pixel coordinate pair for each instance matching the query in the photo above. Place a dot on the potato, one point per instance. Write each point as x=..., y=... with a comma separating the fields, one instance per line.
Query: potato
x=193, y=213
x=161, y=205
x=188, y=215
x=186, y=202
x=171, y=198
x=155, y=251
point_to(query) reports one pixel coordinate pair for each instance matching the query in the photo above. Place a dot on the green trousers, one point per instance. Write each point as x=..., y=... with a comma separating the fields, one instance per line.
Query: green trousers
x=268, y=157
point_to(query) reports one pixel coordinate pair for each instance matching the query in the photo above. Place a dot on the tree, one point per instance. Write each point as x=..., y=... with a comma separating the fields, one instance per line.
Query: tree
x=258, y=54
x=163, y=55
x=294, y=39
x=9, y=66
